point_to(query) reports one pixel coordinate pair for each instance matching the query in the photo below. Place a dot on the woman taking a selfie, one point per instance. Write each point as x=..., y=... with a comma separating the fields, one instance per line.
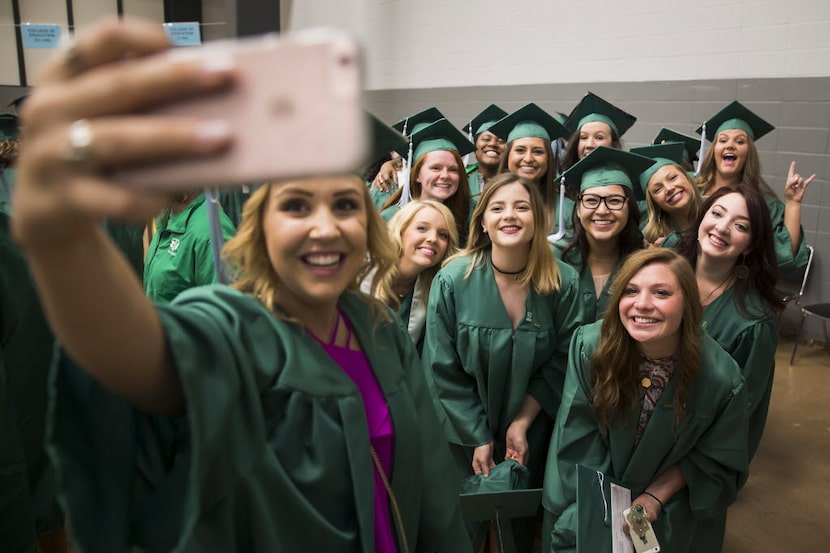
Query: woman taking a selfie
x=424, y=234
x=650, y=403
x=333, y=453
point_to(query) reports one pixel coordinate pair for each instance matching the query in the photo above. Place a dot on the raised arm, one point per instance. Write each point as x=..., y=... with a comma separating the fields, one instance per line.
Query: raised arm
x=794, y=190
x=79, y=129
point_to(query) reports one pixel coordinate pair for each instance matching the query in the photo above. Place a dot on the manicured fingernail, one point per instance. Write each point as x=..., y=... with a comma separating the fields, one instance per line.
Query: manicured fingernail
x=215, y=130
x=218, y=64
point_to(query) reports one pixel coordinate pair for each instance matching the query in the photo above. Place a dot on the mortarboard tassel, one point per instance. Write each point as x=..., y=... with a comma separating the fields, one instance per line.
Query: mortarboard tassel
x=560, y=208
x=217, y=242
x=403, y=179
x=702, y=149
x=470, y=136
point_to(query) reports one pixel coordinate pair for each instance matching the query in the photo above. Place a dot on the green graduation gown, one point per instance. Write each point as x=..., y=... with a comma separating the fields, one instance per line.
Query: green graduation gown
x=483, y=368
x=709, y=447
x=27, y=356
x=179, y=256
x=379, y=196
x=787, y=262
x=593, y=307
x=752, y=343
x=277, y=456
x=389, y=212
x=17, y=530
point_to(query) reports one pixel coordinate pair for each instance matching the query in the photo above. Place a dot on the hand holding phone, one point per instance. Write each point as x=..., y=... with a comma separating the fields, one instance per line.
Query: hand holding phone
x=639, y=527
x=294, y=111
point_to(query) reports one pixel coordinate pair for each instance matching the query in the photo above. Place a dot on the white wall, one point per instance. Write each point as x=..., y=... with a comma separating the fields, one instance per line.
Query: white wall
x=448, y=43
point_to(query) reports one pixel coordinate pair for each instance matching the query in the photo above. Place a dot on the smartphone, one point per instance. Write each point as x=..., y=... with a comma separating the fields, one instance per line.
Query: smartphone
x=642, y=534
x=295, y=111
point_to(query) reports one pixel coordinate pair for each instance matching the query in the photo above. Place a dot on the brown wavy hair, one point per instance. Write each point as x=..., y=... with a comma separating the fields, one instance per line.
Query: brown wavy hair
x=542, y=270
x=459, y=203
x=246, y=254
x=615, y=365
x=751, y=174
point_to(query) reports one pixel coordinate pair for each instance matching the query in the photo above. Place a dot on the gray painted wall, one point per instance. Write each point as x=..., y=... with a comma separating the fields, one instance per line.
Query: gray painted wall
x=799, y=109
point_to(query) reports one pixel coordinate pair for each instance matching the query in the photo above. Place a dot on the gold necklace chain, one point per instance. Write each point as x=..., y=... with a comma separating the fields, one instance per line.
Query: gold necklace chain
x=392, y=500
x=715, y=289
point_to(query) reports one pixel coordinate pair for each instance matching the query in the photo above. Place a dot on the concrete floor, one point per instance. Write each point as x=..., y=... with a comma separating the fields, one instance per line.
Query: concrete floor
x=785, y=506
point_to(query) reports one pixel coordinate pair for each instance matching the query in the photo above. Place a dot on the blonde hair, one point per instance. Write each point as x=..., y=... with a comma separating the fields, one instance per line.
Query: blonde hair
x=9, y=152
x=542, y=270
x=246, y=254
x=659, y=222
x=397, y=226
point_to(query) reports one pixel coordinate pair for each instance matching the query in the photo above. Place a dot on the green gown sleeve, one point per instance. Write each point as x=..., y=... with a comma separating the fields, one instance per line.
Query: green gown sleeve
x=787, y=261
x=569, y=315
x=457, y=391
x=576, y=440
x=755, y=354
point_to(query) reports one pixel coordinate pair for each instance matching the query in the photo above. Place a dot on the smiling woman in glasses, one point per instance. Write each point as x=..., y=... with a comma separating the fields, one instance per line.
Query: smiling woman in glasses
x=605, y=222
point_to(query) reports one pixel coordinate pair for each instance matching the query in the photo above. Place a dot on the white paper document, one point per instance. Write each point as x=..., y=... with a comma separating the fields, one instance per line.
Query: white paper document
x=620, y=501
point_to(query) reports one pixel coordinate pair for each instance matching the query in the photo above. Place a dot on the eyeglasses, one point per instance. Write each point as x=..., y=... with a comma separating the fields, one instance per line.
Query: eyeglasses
x=614, y=202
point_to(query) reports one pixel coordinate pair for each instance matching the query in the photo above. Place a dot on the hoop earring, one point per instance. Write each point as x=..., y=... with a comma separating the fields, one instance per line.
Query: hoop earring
x=741, y=270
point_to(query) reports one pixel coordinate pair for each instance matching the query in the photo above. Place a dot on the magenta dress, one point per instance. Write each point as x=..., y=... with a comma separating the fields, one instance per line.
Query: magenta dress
x=381, y=433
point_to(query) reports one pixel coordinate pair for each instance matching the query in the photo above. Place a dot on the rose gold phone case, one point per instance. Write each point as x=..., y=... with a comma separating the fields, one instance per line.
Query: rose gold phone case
x=295, y=111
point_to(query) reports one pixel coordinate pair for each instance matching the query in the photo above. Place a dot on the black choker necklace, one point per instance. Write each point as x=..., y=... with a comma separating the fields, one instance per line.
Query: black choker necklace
x=514, y=275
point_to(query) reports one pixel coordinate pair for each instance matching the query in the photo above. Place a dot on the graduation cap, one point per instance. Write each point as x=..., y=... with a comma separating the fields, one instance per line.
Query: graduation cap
x=9, y=126
x=735, y=116
x=431, y=137
x=413, y=123
x=604, y=166
x=384, y=139
x=440, y=135
x=593, y=108
x=691, y=143
x=529, y=121
x=670, y=153
x=483, y=121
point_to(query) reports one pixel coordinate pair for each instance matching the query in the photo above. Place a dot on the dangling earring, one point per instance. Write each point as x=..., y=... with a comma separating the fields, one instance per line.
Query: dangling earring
x=741, y=270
